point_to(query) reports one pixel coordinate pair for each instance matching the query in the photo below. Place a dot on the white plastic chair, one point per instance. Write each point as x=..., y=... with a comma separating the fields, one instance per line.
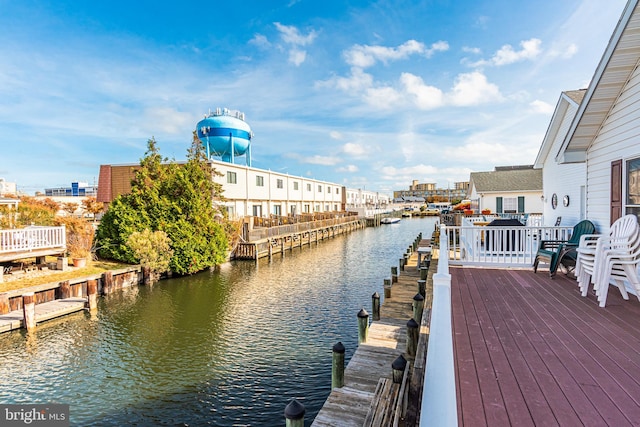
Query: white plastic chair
x=597, y=256
x=616, y=268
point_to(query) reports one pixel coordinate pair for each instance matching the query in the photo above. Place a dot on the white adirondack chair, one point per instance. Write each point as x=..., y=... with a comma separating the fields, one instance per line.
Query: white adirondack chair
x=612, y=258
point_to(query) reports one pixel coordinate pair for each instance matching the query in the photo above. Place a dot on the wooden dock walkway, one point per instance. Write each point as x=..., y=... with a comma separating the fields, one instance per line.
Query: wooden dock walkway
x=387, y=339
x=45, y=311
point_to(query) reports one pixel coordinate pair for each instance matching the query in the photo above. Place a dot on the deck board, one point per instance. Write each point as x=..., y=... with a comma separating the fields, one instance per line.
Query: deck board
x=531, y=351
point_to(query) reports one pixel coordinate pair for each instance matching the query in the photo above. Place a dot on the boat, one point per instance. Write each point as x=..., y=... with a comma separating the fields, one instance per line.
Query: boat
x=389, y=220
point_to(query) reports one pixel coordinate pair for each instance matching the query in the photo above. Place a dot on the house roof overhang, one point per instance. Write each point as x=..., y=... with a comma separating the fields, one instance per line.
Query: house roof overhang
x=613, y=72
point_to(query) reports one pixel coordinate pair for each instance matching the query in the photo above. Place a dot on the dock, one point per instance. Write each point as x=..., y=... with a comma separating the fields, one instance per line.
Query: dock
x=45, y=311
x=369, y=397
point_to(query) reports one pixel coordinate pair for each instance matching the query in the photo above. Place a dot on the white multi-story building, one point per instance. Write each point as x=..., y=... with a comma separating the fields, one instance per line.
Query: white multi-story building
x=7, y=188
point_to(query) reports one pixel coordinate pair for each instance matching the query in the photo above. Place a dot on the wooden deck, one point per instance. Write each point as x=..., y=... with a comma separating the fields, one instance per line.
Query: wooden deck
x=348, y=406
x=531, y=351
x=45, y=311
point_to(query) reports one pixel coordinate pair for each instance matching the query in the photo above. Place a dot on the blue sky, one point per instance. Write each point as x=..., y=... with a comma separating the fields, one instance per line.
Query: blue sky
x=366, y=94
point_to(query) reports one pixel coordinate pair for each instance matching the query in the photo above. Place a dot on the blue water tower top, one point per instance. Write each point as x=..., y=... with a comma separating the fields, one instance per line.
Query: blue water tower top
x=224, y=133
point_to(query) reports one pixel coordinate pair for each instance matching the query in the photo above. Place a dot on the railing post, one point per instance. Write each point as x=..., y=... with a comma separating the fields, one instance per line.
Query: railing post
x=337, y=367
x=363, y=325
x=294, y=414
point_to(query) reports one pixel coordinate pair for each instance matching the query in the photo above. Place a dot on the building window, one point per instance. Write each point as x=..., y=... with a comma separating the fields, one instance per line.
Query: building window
x=232, y=178
x=308, y=187
x=632, y=205
x=337, y=190
x=295, y=185
x=259, y=181
x=319, y=188
x=306, y=209
x=328, y=189
x=317, y=208
x=277, y=210
x=279, y=183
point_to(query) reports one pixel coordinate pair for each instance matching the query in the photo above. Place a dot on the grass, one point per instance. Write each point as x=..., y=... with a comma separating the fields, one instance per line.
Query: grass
x=94, y=267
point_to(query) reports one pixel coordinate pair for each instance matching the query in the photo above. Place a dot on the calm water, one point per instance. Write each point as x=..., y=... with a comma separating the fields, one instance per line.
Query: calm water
x=223, y=348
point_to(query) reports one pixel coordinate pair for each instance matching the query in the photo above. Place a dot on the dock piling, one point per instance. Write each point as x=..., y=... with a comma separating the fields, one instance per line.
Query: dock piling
x=422, y=287
x=375, y=305
x=412, y=337
x=337, y=367
x=424, y=271
x=398, y=366
x=394, y=274
x=387, y=288
x=363, y=325
x=92, y=295
x=29, y=310
x=418, y=307
x=65, y=290
x=294, y=414
x=4, y=302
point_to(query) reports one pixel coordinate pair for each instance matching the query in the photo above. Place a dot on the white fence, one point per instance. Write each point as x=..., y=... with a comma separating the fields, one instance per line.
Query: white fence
x=499, y=246
x=31, y=239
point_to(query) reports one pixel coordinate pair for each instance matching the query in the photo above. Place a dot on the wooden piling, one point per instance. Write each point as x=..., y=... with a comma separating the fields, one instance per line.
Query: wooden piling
x=337, y=367
x=65, y=290
x=29, y=310
x=387, y=288
x=375, y=305
x=363, y=325
x=424, y=271
x=398, y=366
x=4, y=302
x=92, y=295
x=422, y=287
x=394, y=274
x=401, y=263
x=107, y=282
x=294, y=414
x=413, y=331
x=418, y=307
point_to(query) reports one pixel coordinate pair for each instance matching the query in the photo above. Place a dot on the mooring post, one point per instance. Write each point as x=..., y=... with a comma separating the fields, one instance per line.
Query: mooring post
x=29, y=310
x=294, y=414
x=147, y=278
x=412, y=337
x=337, y=367
x=422, y=287
x=107, y=282
x=424, y=271
x=418, y=306
x=65, y=290
x=394, y=274
x=398, y=366
x=401, y=263
x=363, y=325
x=4, y=302
x=92, y=295
x=375, y=305
x=387, y=288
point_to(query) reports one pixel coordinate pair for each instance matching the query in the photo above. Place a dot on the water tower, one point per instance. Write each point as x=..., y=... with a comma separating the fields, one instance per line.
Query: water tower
x=225, y=134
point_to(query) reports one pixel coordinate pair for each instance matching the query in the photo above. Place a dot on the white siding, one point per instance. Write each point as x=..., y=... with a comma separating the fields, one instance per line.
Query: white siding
x=619, y=138
x=562, y=179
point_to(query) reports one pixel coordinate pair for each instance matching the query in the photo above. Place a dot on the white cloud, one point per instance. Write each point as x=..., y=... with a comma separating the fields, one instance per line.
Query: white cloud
x=409, y=173
x=474, y=50
x=335, y=135
x=354, y=149
x=364, y=56
x=291, y=35
x=260, y=40
x=348, y=168
x=383, y=98
x=357, y=81
x=507, y=55
x=297, y=56
x=473, y=89
x=425, y=97
x=321, y=160
x=566, y=52
x=541, y=107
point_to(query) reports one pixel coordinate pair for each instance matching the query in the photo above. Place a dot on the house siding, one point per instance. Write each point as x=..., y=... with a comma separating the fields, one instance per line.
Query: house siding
x=563, y=179
x=619, y=138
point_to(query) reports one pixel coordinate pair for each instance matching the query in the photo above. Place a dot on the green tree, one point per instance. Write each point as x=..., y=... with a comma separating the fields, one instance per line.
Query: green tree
x=175, y=199
x=152, y=249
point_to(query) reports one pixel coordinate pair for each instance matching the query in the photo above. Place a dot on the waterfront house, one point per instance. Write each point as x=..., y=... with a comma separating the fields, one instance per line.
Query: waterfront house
x=606, y=129
x=507, y=189
x=564, y=184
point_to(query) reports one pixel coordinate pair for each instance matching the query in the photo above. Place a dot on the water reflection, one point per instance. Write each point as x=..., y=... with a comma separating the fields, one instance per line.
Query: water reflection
x=228, y=347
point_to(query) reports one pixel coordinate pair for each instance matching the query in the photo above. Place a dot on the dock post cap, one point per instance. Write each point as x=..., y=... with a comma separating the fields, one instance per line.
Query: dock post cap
x=375, y=295
x=294, y=410
x=412, y=324
x=418, y=297
x=363, y=313
x=338, y=347
x=400, y=363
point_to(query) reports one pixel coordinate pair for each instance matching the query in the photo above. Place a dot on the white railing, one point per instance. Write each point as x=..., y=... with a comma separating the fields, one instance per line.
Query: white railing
x=439, y=406
x=511, y=246
x=32, y=238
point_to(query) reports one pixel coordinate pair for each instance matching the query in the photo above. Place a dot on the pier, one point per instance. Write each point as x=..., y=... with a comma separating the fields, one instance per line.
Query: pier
x=375, y=393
